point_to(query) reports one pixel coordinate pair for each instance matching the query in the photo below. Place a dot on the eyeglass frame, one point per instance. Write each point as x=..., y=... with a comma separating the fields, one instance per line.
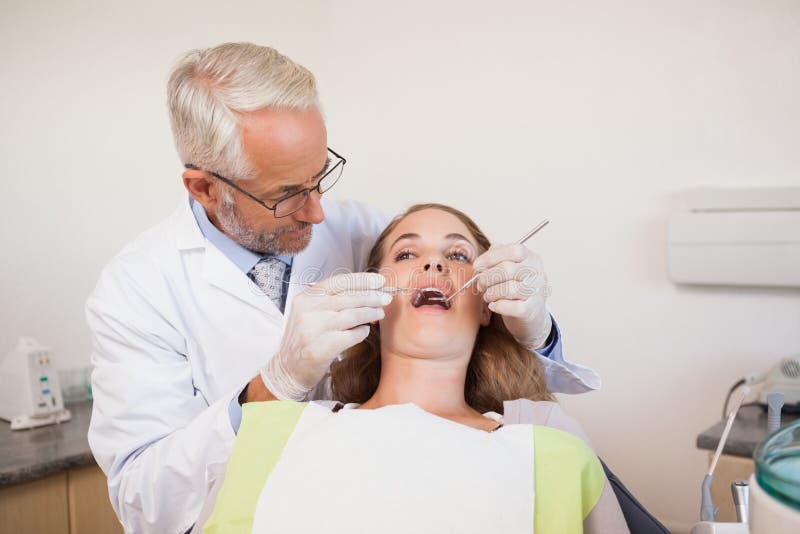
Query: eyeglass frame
x=307, y=191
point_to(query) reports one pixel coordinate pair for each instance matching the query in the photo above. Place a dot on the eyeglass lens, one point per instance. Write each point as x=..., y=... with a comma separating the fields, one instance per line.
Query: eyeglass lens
x=294, y=203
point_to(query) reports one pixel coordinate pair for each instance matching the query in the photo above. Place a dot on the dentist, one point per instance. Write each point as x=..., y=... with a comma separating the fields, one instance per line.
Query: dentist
x=205, y=311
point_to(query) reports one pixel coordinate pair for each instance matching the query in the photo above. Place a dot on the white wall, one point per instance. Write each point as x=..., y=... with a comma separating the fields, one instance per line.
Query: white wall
x=595, y=114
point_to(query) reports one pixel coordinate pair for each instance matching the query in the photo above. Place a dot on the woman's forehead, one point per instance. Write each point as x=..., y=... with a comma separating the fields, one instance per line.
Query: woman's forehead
x=432, y=224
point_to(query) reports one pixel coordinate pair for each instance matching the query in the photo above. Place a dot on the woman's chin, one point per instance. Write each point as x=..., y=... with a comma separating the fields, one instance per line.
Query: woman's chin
x=435, y=345
x=430, y=336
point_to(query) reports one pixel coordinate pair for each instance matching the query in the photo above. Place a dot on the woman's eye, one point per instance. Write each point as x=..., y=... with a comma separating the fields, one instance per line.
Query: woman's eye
x=459, y=256
x=404, y=255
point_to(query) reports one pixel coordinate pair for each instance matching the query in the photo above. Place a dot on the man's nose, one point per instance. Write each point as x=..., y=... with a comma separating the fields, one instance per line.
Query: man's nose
x=312, y=211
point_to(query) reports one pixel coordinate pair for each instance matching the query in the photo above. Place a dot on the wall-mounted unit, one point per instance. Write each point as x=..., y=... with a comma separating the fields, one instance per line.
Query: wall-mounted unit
x=737, y=237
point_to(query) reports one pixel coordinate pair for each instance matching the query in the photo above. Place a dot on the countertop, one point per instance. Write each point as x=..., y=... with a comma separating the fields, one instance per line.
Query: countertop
x=748, y=430
x=30, y=454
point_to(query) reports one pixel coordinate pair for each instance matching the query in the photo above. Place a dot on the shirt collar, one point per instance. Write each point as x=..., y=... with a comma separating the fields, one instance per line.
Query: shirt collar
x=243, y=258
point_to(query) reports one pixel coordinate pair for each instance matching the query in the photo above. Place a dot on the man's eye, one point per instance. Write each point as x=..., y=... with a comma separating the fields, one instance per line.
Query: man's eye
x=404, y=255
x=459, y=256
x=271, y=199
x=287, y=193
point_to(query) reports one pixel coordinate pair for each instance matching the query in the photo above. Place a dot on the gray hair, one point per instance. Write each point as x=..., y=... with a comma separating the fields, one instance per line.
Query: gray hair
x=209, y=88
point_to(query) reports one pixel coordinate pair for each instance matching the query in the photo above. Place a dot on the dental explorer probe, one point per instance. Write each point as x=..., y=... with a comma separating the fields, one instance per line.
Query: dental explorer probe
x=394, y=289
x=520, y=241
x=708, y=512
x=385, y=289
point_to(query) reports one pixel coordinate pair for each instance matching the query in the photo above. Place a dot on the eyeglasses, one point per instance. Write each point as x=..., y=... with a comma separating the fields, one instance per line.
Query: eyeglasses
x=295, y=201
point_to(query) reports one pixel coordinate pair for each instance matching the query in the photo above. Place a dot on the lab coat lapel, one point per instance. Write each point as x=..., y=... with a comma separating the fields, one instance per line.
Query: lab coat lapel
x=218, y=270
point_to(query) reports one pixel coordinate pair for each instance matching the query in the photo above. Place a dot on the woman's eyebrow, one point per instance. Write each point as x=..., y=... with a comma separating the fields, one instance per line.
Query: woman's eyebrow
x=405, y=236
x=453, y=237
x=457, y=236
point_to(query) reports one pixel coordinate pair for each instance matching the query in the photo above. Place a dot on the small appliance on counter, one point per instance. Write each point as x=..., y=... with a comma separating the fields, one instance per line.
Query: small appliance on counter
x=784, y=376
x=30, y=394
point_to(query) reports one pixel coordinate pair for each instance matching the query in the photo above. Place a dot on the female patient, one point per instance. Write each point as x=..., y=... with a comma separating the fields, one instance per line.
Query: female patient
x=421, y=445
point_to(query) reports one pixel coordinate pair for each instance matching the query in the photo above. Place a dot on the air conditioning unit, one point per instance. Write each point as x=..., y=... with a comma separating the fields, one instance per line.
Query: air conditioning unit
x=736, y=237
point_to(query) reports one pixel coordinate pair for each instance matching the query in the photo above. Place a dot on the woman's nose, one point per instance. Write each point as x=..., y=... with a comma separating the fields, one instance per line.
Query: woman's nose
x=433, y=264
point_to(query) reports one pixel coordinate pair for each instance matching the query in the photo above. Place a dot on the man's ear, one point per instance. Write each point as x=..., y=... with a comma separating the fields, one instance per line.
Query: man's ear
x=199, y=185
x=486, y=314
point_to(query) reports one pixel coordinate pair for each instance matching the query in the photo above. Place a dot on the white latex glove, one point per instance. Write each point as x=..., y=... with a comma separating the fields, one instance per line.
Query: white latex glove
x=325, y=320
x=514, y=284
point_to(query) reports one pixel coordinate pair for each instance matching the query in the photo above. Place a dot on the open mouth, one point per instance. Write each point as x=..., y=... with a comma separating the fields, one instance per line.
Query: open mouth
x=429, y=296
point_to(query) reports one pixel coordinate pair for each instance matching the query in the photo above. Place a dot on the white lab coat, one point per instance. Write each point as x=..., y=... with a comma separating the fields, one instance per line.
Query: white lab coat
x=178, y=330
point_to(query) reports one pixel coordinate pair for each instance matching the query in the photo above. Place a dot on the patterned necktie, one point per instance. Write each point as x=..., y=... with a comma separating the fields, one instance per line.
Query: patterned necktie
x=268, y=276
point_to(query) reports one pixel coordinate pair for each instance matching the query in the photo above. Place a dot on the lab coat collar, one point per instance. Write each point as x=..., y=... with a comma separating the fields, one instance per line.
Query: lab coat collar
x=188, y=234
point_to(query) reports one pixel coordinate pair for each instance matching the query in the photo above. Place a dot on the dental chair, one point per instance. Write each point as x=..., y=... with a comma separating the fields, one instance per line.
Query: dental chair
x=639, y=520
x=525, y=411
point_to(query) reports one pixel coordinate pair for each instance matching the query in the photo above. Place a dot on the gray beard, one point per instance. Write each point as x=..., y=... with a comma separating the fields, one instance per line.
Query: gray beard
x=261, y=243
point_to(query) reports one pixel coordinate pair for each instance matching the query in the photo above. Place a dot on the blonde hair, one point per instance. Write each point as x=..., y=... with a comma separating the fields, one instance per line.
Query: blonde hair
x=209, y=88
x=499, y=369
